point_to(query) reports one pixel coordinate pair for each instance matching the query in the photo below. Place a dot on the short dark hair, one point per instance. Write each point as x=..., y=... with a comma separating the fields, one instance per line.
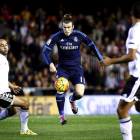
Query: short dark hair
x=67, y=18
x=136, y=9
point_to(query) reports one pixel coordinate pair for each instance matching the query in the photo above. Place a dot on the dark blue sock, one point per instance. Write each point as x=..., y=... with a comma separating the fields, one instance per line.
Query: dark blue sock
x=75, y=97
x=60, y=99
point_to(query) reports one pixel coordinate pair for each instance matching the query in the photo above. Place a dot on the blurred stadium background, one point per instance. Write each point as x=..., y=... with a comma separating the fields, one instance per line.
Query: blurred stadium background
x=27, y=26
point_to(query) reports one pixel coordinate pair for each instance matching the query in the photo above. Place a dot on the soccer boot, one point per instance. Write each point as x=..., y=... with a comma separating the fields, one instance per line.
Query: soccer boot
x=62, y=120
x=74, y=106
x=27, y=132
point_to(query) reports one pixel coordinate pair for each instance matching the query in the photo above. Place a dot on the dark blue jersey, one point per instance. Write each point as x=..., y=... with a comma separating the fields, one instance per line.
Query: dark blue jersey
x=69, y=48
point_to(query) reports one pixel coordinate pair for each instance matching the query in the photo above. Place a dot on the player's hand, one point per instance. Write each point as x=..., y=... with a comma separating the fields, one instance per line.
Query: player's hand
x=52, y=68
x=106, y=62
x=16, y=89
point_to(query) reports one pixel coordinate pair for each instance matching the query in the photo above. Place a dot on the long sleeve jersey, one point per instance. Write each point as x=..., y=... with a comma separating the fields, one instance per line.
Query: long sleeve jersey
x=69, y=48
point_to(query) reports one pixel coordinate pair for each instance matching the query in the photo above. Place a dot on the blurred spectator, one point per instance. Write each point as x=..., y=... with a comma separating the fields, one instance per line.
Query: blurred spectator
x=25, y=14
x=111, y=83
x=14, y=23
x=112, y=49
x=97, y=33
x=23, y=30
x=5, y=11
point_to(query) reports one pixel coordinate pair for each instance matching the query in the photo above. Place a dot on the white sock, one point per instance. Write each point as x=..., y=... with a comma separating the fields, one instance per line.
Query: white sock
x=126, y=128
x=4, y=114
x=24, y=119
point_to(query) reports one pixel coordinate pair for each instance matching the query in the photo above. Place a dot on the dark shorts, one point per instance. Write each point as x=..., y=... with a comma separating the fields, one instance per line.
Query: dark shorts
x=131, y=90
x=75, y=75
x=6, y=100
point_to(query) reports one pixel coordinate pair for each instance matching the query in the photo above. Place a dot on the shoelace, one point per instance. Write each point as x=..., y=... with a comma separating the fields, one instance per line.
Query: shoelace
x=63, y=118
x=73, y=105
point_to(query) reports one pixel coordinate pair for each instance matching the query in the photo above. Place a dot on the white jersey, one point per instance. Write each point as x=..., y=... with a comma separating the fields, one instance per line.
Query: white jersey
x=133, y=42
x=4, y=70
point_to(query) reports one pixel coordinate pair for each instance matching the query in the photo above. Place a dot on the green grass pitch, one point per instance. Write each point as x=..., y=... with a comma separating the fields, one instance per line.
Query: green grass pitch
x=94, y=127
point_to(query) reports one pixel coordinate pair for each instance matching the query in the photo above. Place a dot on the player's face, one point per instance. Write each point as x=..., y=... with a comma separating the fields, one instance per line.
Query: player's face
x=67, y=27
x=3, y=47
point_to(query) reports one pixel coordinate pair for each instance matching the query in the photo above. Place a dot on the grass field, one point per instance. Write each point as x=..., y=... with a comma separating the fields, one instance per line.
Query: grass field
x=95, y=127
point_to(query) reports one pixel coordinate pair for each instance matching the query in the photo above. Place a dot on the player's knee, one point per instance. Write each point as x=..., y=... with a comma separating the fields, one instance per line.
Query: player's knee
x=119, y=111
x=25, y=105
x=122, y=112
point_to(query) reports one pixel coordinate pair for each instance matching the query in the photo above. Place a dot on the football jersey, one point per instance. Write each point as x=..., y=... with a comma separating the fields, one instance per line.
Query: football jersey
x=69, y=48
x=4, y=70
x=133, y=42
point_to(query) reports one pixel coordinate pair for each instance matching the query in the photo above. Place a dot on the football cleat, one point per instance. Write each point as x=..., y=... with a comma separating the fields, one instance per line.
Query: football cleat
x=74, y=106
x=62, y=120
x=27, y=132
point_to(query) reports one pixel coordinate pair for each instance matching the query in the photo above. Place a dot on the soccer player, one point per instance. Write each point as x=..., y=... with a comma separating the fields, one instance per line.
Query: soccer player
x=131, y=92
x=8, y=101
x=69, y=66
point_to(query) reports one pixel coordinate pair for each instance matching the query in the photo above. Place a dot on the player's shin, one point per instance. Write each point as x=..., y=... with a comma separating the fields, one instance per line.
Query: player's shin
x=126, y=128
x=24, y=114
x=60, y=99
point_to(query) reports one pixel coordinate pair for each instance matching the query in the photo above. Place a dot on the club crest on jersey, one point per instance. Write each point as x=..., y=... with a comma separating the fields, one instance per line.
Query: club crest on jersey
x=75, y=39
x=48, y=42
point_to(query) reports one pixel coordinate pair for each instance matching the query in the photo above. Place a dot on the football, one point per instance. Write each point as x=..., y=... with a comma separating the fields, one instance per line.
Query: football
x=61, y=84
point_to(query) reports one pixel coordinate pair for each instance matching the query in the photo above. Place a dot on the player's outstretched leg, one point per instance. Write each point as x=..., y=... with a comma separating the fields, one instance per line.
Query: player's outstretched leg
x=7, y=113
x=78, y=94
x=24, y=114
x=60, y=99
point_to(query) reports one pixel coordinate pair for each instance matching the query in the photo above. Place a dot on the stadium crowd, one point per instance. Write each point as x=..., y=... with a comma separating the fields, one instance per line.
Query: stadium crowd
x=107, y=29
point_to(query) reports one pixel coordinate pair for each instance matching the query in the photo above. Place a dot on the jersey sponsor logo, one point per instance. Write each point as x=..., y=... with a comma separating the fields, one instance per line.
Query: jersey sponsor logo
x=48, y=42
x=69, y=47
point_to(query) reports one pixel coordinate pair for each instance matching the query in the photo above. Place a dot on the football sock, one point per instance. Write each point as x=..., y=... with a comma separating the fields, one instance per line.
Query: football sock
x=4, y=114
x=126, y=128
x=75, y=97
x=60, y=99
x=24, y=114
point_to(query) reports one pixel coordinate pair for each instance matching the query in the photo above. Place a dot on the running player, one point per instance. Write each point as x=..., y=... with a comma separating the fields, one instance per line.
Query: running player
x=8, y=101
x=69, y=66
x=131, y=91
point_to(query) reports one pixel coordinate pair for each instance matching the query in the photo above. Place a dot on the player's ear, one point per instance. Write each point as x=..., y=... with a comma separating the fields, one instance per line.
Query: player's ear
x=73, y=26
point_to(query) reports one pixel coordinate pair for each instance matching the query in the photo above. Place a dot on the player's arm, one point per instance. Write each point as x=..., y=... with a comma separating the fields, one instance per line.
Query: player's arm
x=15, y=88
x=93, y=47
x=125, y=58
x=48, y=47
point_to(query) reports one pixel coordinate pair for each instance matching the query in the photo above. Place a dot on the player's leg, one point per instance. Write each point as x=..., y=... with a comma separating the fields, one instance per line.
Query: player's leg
x=125, y=119
x=24, y=114
x=78, y=94
x=8, y=112
x=78, y=81
x=60, y=97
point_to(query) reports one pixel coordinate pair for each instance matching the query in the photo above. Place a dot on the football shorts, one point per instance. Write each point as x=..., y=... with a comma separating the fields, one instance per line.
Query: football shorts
x=131, y=90
x=6, y=100
x=74, y=74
